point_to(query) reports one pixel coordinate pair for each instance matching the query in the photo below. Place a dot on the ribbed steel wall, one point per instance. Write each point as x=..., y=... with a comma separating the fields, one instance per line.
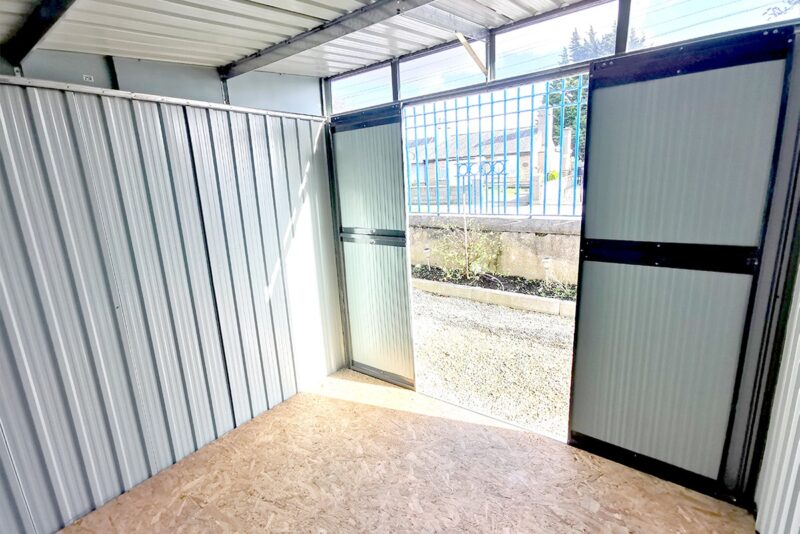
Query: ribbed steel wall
x=778, y=491
x=144, y=311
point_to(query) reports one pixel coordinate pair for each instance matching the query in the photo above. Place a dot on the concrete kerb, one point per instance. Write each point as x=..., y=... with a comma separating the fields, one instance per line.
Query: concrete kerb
x=564, y=308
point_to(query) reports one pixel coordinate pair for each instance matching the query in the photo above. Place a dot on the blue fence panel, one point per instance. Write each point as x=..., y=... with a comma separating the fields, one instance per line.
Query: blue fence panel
x=457, y=160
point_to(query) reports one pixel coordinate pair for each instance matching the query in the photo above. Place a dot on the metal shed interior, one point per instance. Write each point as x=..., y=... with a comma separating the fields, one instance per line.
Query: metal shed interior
x=198, y=249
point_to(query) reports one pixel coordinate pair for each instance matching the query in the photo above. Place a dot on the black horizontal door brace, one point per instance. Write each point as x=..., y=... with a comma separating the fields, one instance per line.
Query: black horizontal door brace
x=698, y=257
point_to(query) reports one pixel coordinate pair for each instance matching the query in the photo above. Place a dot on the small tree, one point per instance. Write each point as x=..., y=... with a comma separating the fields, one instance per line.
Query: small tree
x=467, y=252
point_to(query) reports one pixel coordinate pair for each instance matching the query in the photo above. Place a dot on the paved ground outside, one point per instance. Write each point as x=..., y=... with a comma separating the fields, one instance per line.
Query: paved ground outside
x=513, y=365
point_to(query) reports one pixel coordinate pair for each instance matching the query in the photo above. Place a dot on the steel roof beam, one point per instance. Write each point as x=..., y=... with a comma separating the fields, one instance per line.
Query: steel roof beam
x=38, y=23
x=356, y=20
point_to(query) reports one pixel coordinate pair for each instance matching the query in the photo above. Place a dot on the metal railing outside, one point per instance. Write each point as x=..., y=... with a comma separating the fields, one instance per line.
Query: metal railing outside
x=513, y=151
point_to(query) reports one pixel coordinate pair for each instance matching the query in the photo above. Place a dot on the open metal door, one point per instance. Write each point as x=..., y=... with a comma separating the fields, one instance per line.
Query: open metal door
x=368, y=167
x=680, y=167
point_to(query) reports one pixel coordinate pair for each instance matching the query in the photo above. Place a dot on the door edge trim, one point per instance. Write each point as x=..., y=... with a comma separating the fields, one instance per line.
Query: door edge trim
x=386, y=376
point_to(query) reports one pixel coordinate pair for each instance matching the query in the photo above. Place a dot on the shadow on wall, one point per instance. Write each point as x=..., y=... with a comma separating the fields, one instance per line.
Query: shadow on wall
x=308, y=240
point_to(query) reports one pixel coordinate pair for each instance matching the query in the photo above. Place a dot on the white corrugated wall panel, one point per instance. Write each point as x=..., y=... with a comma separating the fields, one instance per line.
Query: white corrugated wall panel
x=93, y=145
x=216, y=241
x=237, y=258
x=367, y=165
x=76, y=216
x=284, y=167
x=50, y=304
x=705, y=143
x=124, y=139
x=195, y=256
x=778, y=490
x=309, y=279
x=140, y=240
x=33, y=407
x=167, y=229
x=654, y=376
x=263, y=153
x=249, y=206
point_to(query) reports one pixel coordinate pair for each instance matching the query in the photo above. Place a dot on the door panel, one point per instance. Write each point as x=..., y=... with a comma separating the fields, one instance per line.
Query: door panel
x=679, y=169
x=688, y=157
x=659, y=349
x=377, y=295
x=367, y=151
x=370, y=193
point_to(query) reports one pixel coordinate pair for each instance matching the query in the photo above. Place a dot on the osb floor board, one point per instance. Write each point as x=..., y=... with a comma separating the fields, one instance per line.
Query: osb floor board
x=358, y=455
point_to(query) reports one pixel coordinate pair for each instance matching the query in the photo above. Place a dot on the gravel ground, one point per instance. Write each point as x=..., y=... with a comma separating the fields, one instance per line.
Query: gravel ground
x=513, y=365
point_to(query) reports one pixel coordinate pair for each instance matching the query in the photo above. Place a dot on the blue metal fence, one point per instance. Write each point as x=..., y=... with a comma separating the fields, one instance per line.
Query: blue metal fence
x=515, y=151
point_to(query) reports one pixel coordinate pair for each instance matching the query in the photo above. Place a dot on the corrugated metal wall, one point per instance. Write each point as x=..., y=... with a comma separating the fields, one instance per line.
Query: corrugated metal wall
x=142, y=272
x=778, y=491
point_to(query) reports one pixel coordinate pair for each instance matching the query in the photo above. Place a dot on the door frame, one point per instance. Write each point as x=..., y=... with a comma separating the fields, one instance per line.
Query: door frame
x=375, y=116
x=699, y=56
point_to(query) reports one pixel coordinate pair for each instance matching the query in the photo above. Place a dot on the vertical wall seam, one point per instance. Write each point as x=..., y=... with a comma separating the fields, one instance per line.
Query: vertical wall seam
x=138, y=284
x=263, y=243
x=281, y=242
x=184, y=256
x=236, y=178
x=208, y=264
x=228, y=261
x=170, y=313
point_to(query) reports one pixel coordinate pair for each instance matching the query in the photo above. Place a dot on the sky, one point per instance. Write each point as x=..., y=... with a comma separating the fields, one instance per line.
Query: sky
x=538, y=46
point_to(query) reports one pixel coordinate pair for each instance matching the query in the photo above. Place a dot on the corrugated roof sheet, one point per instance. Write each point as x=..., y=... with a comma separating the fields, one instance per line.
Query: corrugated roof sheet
x=201, y=32
x=216, y=32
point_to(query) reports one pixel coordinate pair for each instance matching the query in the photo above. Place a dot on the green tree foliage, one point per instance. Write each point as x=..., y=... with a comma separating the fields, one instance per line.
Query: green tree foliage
x=581, y=48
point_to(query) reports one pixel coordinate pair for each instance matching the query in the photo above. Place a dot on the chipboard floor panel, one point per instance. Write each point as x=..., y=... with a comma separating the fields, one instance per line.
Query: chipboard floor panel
x=359, y=455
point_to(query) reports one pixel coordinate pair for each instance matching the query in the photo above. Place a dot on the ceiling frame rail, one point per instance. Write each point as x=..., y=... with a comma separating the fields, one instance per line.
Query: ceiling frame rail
x=356, y=20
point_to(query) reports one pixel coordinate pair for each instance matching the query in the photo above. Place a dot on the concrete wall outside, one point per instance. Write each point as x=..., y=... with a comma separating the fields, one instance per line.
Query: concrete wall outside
x=538, y=248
